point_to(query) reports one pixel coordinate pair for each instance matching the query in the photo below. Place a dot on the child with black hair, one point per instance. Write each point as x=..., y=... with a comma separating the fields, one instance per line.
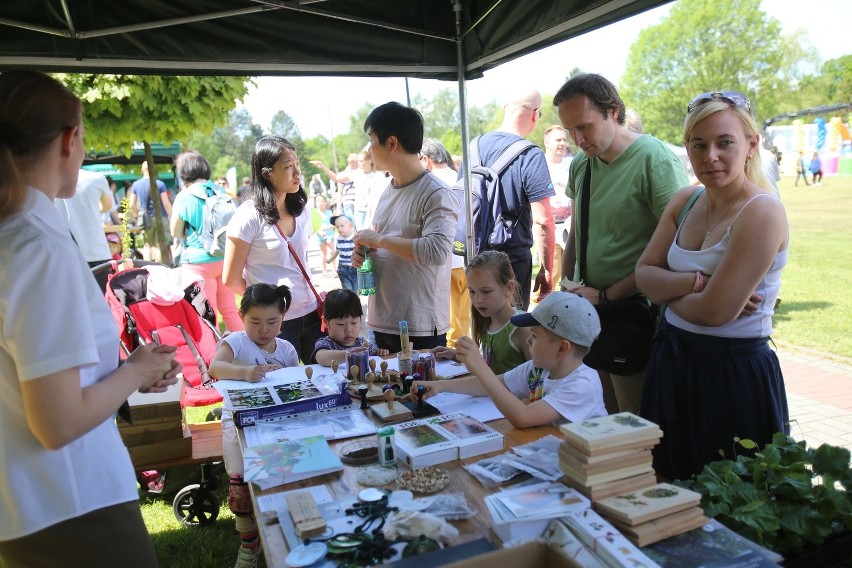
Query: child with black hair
x=342, y=314
x=247, y=356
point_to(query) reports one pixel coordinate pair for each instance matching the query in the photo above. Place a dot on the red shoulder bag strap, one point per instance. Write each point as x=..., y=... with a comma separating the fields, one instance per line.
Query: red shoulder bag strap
x=301, y=267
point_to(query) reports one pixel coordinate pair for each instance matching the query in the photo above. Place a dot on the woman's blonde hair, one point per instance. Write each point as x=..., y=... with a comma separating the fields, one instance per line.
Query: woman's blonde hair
x=753, y=165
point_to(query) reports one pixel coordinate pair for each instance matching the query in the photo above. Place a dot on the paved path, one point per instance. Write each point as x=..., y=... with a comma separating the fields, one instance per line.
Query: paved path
x=819, y=390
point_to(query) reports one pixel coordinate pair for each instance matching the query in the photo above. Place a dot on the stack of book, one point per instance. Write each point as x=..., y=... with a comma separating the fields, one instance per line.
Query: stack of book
x=444, y=438
x=608, y=456
x=522, y=513
x=653, y=514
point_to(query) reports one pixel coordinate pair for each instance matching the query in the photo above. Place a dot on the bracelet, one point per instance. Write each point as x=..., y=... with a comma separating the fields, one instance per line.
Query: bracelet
x=602, y=299
x=699, y=283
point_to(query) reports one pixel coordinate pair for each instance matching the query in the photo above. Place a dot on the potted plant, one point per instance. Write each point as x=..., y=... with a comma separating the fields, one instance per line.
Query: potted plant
x=786, y=497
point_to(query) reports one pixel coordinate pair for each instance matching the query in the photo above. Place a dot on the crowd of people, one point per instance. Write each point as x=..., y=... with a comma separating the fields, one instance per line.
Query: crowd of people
x=617, y=225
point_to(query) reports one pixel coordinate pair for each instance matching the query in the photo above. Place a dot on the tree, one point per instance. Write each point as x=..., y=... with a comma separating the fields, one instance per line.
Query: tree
x=123, y=109
x=284, y=125
x=229, y=145
x=702, y=46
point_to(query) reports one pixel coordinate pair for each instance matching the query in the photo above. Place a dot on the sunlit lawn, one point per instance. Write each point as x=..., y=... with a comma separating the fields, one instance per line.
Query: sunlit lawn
x=816, y=306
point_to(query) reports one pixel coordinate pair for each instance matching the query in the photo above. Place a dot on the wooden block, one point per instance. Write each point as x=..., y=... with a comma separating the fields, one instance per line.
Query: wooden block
x=385, y=414
x=162, y=410
x=151, y=454
x=306, y=517
x=151, y=433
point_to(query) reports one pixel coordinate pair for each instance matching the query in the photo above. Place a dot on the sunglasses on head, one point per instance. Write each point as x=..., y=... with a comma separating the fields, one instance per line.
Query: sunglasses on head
x=731, y=97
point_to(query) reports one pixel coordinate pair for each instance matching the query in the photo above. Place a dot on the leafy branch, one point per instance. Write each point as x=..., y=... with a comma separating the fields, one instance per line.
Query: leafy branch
x=787, y=497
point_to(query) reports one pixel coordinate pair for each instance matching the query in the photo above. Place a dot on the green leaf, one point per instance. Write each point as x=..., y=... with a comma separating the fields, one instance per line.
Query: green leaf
x=831, y=460
x=746, y=443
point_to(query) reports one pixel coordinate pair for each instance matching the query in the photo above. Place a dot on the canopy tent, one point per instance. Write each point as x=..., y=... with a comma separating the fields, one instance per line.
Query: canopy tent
x=414, y=38
x=442, y=39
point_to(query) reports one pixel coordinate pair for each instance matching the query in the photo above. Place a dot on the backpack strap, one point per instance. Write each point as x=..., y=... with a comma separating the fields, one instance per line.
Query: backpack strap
x=688, y=205
x=510, y=154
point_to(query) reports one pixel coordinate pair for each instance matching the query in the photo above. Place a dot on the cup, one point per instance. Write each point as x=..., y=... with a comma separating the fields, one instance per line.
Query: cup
x=422, y=363
x=404, y=361
x=359, y=356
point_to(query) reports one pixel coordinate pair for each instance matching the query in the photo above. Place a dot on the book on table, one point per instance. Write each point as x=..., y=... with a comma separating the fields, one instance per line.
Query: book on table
x=636, y=507
x=633, y=458
x=270, y=465
x=662, y=528
x=574, y=453
x=712, y=546
x=283, y=392
x=607, y=432
x=522, y=513
x=333, y=424
x=595, y=479
x=611, y=488
x=443, y=438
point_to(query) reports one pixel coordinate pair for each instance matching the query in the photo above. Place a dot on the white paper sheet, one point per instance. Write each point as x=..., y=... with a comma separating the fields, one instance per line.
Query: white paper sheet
x=480, y=407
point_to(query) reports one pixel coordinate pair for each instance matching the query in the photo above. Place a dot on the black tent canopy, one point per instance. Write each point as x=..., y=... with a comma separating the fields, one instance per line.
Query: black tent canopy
x=414, y=38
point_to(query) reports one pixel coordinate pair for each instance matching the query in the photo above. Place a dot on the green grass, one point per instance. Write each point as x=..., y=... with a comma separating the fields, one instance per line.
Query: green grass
x=816, y=307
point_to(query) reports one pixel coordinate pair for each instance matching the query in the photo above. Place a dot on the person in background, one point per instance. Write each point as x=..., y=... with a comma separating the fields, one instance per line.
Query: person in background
x=712, y=375
x=554, y=386
x=68, y=493
x=343, y=252
x=268, y=239
x=83, y=214
x=244, y=191
x=411, y=239
x=555, y=145
x=816, y=169
x=325, y=234
x=527, y=189
x=437, y=160
x=632, y=178
x=111, y=217
x=346, y=185
x=143, y=207
x=187, y=221
x=801, y=171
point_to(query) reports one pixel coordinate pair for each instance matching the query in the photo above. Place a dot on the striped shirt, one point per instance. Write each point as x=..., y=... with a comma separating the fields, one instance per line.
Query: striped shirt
x=345, y=246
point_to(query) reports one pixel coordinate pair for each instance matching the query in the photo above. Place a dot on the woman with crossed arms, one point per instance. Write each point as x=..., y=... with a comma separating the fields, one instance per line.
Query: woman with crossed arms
x=712, y=375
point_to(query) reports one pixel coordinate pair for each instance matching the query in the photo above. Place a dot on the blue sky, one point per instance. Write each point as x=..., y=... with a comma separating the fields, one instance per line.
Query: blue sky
x=322, y=105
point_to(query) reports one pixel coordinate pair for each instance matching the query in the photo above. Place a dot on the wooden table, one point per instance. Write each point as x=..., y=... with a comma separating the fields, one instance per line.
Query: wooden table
x=343, y=484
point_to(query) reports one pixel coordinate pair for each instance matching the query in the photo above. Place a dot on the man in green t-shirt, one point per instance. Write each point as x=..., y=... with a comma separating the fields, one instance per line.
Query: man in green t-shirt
x=633, y=176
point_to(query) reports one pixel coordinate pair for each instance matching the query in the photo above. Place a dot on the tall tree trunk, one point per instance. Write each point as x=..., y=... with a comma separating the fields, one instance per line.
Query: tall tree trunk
x=161, y=239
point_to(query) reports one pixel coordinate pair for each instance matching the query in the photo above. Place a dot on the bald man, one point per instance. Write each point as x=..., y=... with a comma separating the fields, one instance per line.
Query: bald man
x=527, y=190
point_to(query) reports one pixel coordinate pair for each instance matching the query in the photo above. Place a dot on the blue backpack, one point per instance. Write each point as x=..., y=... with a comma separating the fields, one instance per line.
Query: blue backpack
x=492, y=225
x=219, y=207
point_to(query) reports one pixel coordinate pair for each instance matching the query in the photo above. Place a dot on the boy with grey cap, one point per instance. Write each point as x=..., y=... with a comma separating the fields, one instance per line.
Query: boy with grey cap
x=555, y=386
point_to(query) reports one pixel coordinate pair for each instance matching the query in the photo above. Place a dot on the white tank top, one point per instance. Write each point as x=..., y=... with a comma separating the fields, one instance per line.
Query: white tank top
x=758, y=324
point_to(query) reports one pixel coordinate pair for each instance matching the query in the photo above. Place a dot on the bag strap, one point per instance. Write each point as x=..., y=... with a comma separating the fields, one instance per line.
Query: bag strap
x=510, y=154
x=299, y=263
x=687, y=207
x=584, y=219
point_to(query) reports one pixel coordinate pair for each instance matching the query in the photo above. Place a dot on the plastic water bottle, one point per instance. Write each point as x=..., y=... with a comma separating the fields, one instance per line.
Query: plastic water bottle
x=366, y=280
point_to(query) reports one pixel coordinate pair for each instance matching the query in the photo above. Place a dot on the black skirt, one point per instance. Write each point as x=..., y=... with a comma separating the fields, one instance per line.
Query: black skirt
x=703, y=391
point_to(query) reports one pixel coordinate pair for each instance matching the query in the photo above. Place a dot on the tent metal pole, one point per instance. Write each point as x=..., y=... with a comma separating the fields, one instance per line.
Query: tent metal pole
x=465, y=131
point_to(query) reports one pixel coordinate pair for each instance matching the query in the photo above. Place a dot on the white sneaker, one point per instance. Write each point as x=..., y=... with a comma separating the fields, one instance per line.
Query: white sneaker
x=247, y=558
x=818, y=184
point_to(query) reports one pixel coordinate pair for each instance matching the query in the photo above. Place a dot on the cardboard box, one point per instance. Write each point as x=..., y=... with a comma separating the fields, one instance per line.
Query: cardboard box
x=151, y=454
x=535, y=554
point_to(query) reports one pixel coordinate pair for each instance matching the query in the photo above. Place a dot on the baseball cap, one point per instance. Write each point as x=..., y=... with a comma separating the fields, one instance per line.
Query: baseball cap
x=566, y=314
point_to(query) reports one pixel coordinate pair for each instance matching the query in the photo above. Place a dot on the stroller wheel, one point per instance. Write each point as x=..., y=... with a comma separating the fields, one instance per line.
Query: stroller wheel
x=194, y=506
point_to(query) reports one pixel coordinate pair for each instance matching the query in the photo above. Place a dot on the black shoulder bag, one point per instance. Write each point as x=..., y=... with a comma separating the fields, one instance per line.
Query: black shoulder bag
x=627, y=326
